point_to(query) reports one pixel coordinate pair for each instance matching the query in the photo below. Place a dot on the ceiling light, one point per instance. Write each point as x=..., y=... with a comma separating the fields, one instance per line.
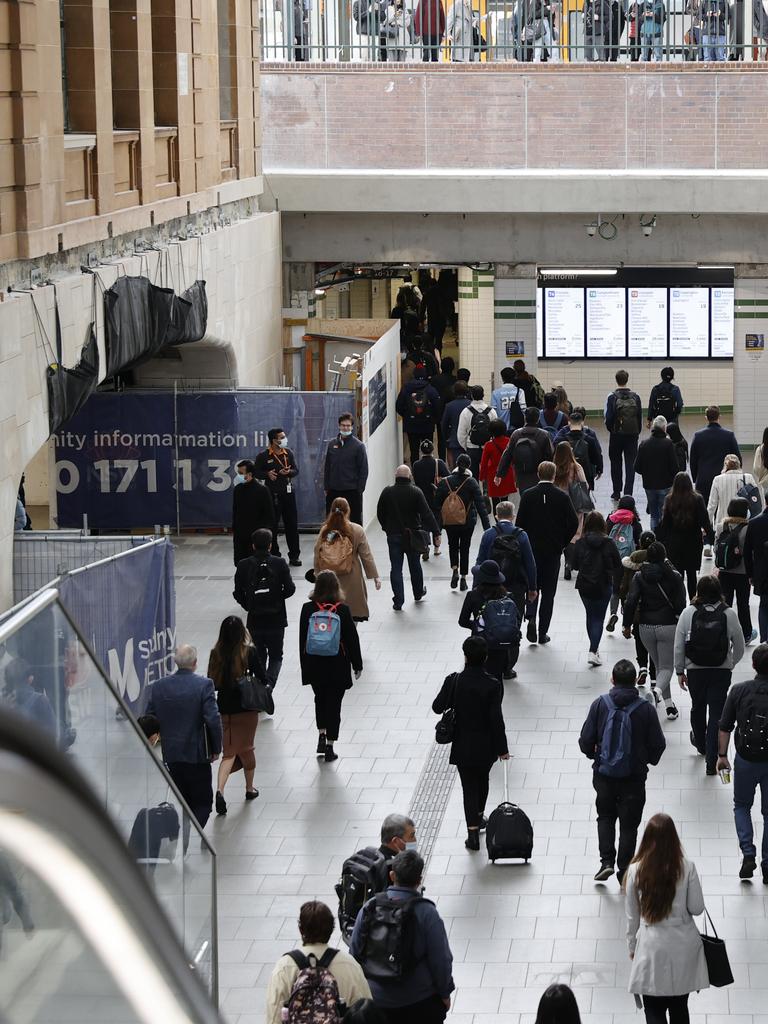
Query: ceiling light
x=320, y=292
x=715, y=266
x=579, y=272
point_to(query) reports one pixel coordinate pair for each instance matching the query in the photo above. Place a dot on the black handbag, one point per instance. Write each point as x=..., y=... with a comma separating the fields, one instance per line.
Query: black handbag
x=716, y=955
x=255, y=695
x=446, y=727
x=417, y=541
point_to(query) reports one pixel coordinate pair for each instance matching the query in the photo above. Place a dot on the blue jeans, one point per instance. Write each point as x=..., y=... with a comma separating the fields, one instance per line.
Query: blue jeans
x=713, y=47
x=595, y=607
x=396, y=554
x=747, y=776
x=651, y=47
x=656, y=504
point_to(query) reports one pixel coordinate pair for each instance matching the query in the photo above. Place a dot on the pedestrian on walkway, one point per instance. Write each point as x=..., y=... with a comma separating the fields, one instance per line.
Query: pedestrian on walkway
x=681, y=446
x=407, y=520
x=663, y=896
x=509, y=547
x=508, y=401
x=730, y=542
x=598, y=563
x=316, y=926
x=534, y=392
x=623, y=421
x=443, y=383
x=683, y=529
x=548, y=517
x=756, y=563
x=666, y=398
x=709, y=447
x=346, y=469
x=558, y=1006
x=726, y=487
x=427, y=473
x=552, y=418
x=760, y=463
x=329, y=651
x=450, y=421
x=277, y=468
x=654, y=603
x=233, y=656
x=709, y=643
x=585, y=445
x=479, y=737
x=190, y=726
x=571, y=480
x=528, y=447
x=631, y=565
x=419, y=406
x=490, y=611
x=493, y=451
x=745, y=708
x=262, y=585
x=625, y=529
x=473, y=430
x=342, y=546
x=460, y=493
x=252, y=509
x=619, y=773
x=656, y=462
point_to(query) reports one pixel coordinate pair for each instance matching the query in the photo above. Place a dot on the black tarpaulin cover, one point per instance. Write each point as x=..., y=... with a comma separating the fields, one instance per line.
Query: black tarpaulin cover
x=68, y=389
x=137, y=315
x=190, y=316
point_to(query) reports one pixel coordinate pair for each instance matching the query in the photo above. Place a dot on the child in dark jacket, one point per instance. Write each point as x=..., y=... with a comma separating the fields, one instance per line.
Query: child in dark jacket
x=631, y=564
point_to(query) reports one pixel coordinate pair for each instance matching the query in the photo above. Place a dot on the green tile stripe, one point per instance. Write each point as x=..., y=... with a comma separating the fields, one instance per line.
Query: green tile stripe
x=514, y=316
x=755, y=314
x=752, y=302
x=477, y=283
x=514, y=302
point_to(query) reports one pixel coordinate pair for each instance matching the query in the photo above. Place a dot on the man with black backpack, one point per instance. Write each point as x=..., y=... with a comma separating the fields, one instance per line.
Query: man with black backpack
x=472, y=432
x=419, y=405
x=624, y=421
x=314, y=982
x=528, y=447
x=666, y=398
x=747, y=709
x=509, y=547
x=401, y=943
x=621, y=736
x=262, y=585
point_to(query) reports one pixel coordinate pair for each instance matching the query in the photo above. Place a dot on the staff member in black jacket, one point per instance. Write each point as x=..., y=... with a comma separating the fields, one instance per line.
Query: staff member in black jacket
x=480, y=737
x=330, y=676
x=346, y=469
x=403, y=512
x=277, y=468
x=252, y=510
x=656, y=462
x=548, y=517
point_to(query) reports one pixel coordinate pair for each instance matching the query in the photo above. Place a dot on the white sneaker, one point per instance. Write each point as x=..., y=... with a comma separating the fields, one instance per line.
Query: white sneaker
x=593, y=658
x=707, y=551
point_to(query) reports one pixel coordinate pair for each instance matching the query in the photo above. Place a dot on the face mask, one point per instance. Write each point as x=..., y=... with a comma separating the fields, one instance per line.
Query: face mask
x=239, y=479
x=412, y=846
x=346, y=432
x=283, y=443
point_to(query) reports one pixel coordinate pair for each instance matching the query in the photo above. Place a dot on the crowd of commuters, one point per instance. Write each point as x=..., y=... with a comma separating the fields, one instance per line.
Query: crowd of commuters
x=528, y=462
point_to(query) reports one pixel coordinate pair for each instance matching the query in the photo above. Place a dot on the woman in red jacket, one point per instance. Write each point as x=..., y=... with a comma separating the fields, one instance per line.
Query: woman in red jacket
x=489, y=464
x=429, y=23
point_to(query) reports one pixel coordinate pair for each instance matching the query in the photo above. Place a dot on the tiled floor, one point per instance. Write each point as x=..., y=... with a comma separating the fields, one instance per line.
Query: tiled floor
x=513, y=928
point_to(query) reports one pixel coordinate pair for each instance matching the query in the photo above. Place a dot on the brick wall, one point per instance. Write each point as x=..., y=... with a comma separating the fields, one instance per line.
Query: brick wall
x=486, y=116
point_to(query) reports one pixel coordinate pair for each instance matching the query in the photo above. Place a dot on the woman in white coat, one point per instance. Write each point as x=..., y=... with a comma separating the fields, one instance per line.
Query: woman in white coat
x=458, y=30
x=663, y=894
x=397, y=29
x=725, y=486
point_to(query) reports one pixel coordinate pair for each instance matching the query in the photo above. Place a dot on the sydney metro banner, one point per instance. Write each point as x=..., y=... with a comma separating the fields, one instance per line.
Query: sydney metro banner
x=154, y=458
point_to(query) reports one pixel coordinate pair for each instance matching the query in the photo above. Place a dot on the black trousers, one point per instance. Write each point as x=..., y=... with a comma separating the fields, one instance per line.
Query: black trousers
x=428, y=1011
x=622, y=451
x=414, y=442
x=194, y=782
x=619, y=800
x=268, y=641
x=657, y=1007
x=547, y=572
x=475, y=455
x=736, y=584
x=689, y=571
x=459, y=543
x=355, y=499
x=285, y=509
x=474, y=788
x=708, y=688
x=328, y=698
x=500, y=659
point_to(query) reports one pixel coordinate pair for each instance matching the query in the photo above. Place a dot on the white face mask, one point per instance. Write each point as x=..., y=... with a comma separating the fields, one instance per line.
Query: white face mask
x=239, y=479
x=412, y=846
x=283, y=443
x=346, y=431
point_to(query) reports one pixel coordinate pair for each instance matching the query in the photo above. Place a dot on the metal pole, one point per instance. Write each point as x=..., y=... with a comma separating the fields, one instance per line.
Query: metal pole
x=176, y=449
x=747, y=7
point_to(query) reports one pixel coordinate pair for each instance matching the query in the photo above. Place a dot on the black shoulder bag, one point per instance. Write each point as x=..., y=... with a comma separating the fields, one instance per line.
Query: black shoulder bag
x=446, y=727
x=416, y=540
x=255, y=695
x=716, y=955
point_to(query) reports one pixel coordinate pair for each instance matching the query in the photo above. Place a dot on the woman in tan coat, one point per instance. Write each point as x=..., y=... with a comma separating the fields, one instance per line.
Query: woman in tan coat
x=343, y=547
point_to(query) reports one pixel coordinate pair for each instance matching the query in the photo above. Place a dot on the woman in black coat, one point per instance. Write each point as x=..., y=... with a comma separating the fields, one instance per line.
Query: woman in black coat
x=462, y=482
x=427, y=473
x=684, y=528
x=490, y=586
x=598, y=562
x=329, y=675
x=479, y=736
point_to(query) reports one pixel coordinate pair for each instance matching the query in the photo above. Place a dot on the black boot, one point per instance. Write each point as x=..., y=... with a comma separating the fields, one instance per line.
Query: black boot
x=472, y=842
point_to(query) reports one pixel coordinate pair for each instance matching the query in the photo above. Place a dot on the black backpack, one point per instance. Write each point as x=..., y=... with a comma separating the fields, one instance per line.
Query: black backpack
x=707, y=641
x=387, y=946
x=728, y=552
x=580, y=448
x=665, y=403
x=362, y=876
x=516, y=415
x=261, y=589
x=505, y=552
x=418, y=404
x=752, y=721
x=479, y=431
x=525, y=456
x=626, y=418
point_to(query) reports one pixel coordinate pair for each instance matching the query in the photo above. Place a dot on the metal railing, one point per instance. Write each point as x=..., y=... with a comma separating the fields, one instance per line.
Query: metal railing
x=471, y=31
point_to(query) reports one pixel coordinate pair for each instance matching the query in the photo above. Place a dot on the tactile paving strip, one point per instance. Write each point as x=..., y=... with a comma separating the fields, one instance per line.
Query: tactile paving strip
x=430, y=798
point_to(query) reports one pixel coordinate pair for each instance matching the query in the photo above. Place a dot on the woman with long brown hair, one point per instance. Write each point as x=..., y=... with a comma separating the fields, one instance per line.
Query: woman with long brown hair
x=342, y=546
x=683, y=529
x=567, y=473
x=663, y=893
x=233, y=656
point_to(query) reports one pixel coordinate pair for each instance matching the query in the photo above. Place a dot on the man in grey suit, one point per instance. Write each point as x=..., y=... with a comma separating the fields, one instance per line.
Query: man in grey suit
x=190, y=730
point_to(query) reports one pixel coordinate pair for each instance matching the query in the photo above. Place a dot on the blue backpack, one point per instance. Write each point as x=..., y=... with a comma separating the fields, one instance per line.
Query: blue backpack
x=623, y=537
x=324, y=632
x=615, y=758
x=499, y=623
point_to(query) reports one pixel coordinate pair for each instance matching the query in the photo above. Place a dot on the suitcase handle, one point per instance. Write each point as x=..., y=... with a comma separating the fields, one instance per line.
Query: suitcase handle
x=506, y=780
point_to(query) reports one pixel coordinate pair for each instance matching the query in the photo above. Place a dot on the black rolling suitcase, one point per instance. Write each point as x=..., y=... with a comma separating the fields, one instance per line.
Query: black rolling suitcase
x=509, y=834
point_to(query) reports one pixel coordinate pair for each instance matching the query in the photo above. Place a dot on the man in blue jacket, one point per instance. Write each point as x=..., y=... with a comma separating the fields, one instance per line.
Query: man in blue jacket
x=419, y=405
x=346, y=469
x=520, y=573
x=190, y=730
x=509, y=401
x=421, y=994
x=450, y=423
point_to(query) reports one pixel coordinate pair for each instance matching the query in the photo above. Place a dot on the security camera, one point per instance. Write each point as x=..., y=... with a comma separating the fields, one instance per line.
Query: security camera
x=647, y=230
x=591, y=230
x=647, y=224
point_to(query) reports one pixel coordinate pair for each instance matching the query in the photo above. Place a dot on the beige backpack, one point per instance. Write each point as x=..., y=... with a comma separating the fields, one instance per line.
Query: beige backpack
x=336, y=554
x=453, y=511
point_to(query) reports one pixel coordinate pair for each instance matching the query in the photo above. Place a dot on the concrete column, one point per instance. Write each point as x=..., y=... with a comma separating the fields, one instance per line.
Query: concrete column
x=476, y=325
x=750, y=365
x=514, y=315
